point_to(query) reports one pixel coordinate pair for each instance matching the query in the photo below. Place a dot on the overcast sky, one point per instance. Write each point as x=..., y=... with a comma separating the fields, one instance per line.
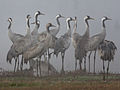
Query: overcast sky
x=18, y=9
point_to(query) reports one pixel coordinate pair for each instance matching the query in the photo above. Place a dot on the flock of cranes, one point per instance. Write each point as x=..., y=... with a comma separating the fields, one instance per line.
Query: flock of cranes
x=35, y=44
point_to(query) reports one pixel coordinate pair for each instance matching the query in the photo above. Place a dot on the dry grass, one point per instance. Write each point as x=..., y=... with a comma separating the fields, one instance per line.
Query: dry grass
x=88, y=82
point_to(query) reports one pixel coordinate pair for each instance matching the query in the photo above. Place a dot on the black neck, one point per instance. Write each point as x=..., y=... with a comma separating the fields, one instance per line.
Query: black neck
x=28, y=23
x=103, y=23
x=36, y=17
x=36, y=21
x=9, y=25
x=58, y=21
x=68, y=24
x=86, y=23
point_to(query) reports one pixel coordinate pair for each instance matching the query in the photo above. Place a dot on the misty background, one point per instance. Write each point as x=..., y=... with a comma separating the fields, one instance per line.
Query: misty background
x=18, y=9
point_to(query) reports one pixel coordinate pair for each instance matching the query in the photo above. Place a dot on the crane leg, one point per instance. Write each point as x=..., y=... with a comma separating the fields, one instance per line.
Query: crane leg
x=37, y=67
x=103, y=71
x=89, y=60
x=75, y=64
x=94, y=61
x=108, y=68
x=21, y=65
x=45, y=56
x=18, y=64
x=80, y=64
x=48, y=61
x=39, y=62
x=85, y=64
x=15, y=64
x=62, y=71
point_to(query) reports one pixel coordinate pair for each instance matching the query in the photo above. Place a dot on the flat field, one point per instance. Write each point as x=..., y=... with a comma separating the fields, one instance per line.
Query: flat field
x=66, y=82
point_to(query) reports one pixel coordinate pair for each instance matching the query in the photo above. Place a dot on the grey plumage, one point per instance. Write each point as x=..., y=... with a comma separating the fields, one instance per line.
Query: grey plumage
x=107, y=50
x=80, y=50
x=17, y=47
x=75, y=36
x=95, y=40
x=44, y=67
x=63, y=43
x=11, y=54
x=13, y=36
x=54, y=31
x=34, y=33
x=39, y=48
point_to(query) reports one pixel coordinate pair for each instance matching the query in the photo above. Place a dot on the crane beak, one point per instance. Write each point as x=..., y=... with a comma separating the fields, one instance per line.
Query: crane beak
x=62, y=17
x=92, y=18
x=109, y=19
x=42, y=14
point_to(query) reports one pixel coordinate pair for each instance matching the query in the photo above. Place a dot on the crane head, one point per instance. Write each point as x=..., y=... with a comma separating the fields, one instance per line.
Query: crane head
x=59, y=16
x=10, y=19
x=75, y=18
x=28, y=16
x=105, y=18
x=50, y=25
x=88, y=18
x=69, y=19
x=39, y=13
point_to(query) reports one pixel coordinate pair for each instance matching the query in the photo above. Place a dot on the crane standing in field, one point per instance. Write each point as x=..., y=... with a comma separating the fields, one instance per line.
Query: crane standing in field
x=34, y=33
x=63, y=43
x=95, y=40
x=39, y=48
x=106, y=52
x=14, y=37
x=75, y=37
x=80, y=50
x=12, y=52
x=53, y=32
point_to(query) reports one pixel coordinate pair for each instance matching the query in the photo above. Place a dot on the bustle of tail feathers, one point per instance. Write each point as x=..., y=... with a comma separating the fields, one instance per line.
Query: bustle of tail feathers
x=107, y=50
x=9, y=55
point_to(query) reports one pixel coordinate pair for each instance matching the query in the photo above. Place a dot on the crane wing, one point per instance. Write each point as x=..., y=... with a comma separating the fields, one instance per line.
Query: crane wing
x=93, y=42
x=34, y=51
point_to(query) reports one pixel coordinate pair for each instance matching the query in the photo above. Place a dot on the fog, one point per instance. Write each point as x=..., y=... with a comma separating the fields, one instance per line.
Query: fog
x=18, y=9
